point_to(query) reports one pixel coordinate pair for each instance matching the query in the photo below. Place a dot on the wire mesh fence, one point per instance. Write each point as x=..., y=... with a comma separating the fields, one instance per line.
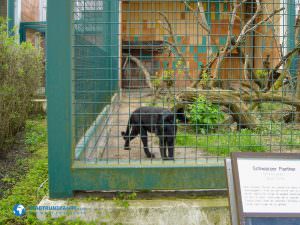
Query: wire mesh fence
x=184, y=81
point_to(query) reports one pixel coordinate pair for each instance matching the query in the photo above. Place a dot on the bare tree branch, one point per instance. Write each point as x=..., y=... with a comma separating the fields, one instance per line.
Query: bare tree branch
x=235, y=44
x=246, y=29
x=169, y=27
x=201, y=21
x=236, y=101
x=277, y=44
x=284, y=59
x=246, y=63
x=264, y=20
x=142, y=67
x=173, y=39
x=226, y=48
x=249, y=23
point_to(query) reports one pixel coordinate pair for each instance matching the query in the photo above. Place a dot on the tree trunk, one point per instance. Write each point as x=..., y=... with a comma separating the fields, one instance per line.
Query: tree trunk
x=225, y=98
x=235, y=101
x=142, y=67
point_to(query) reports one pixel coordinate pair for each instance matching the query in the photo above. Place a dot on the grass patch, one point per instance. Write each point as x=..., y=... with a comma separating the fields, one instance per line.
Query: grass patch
x=222, y=144
x=36, y=134
x=28, y=191
x=291, y=139
x=270, y=107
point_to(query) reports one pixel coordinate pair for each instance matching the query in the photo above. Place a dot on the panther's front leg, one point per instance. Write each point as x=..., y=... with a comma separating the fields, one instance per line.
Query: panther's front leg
x=162, y=147
x=128, y=137
x=144, y=137
x=171, y=142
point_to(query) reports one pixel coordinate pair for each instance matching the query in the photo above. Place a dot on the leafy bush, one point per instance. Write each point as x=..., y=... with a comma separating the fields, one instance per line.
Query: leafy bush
x=262, y=76
x=21, y=67
x=203, y=115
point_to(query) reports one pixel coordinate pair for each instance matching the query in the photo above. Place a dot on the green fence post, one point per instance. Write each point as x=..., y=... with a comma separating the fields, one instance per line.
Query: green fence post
x=291, y=6
x=10, y=16
x=22, y=32
x=59, y=80
x=291, y=14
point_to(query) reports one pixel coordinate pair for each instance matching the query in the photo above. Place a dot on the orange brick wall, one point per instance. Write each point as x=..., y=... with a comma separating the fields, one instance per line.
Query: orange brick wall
x=30, y=10
x=268, y=40
x=3, y=8
x=142, y=22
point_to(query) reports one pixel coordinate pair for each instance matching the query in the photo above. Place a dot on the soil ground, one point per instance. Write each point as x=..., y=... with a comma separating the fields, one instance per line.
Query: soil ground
x=13, y=164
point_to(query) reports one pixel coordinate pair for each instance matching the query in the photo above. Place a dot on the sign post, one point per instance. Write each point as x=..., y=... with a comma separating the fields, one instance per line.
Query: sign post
x=264, y=188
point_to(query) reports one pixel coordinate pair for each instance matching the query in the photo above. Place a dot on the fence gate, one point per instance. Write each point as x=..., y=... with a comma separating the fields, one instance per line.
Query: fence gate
x=152, y=95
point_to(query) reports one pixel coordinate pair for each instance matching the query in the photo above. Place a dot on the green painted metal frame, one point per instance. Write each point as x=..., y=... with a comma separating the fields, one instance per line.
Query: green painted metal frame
x=59, y=95
x=291, y=6
x=40, y=27
x=291, y=42
x=148, y=177
x=10, y=16
x=66, y=175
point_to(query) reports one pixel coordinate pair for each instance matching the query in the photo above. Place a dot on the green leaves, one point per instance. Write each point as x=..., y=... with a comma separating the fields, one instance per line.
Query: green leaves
x=203, y=115
x=21, y=68
x=36, y=135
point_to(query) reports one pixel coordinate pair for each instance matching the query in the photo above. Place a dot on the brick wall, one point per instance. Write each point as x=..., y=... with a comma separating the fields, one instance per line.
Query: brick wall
x=30, y=10
x=141, y=22
x=3, y=8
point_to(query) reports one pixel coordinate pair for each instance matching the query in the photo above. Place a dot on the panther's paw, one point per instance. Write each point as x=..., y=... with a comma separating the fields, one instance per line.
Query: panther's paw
x=168, y=158
x=151, y=156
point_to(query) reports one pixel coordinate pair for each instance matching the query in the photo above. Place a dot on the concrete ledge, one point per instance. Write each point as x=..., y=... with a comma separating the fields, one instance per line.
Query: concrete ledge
x=94, y=142
x=200, y=211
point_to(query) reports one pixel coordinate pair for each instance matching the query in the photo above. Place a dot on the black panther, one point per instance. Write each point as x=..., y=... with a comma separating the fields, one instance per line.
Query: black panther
x=156, y=120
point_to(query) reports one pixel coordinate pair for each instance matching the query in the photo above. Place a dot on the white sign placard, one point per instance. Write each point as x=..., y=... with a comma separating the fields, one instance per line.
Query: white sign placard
x=269, y=185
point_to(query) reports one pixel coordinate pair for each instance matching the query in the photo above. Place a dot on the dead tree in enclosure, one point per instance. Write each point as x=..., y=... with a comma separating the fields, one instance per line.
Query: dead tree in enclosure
x=239, y=101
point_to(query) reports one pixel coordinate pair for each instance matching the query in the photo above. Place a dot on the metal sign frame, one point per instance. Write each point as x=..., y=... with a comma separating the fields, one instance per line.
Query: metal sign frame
x=237, y=185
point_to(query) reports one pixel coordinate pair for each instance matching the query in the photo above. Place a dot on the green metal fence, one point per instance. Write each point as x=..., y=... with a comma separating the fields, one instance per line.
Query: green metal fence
x=225, y=72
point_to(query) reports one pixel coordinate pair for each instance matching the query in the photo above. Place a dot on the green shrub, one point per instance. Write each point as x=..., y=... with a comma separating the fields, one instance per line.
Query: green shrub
x=203, y=115
x=21, y=67
x=262, y=76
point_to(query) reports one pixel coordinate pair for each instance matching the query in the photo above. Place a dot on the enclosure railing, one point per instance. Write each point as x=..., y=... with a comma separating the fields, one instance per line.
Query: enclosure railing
x=154, y=94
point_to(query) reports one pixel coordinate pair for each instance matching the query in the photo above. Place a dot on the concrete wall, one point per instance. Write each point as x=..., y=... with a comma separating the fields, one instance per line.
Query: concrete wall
x=173, y=211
